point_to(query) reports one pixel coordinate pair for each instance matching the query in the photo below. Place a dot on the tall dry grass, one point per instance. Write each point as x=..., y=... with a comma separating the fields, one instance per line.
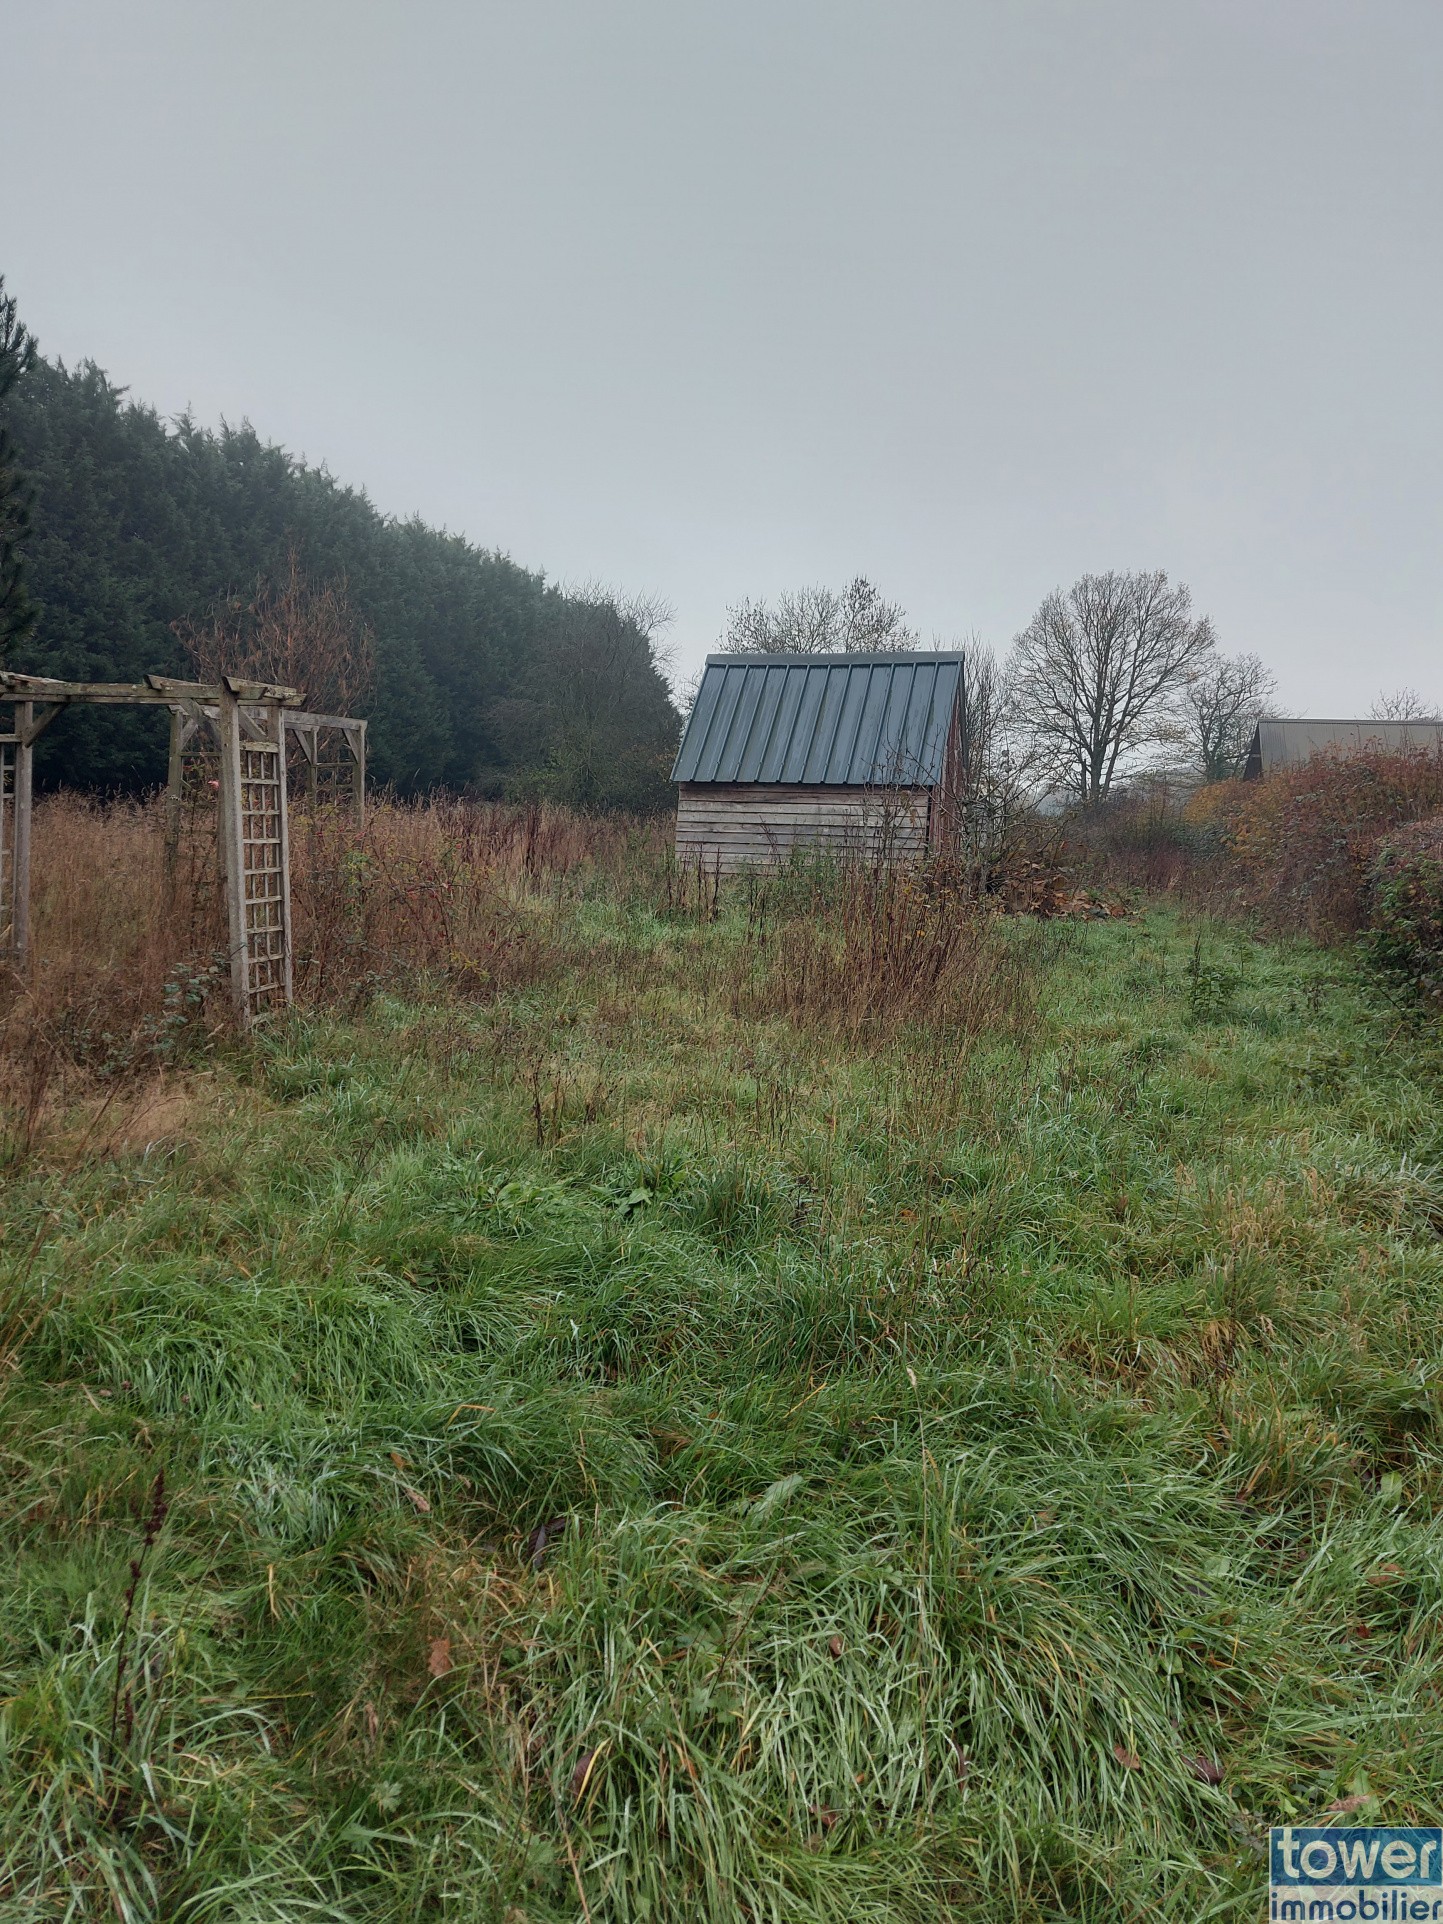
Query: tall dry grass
x=124, y=970
x=462, y=901
x=422, y=890
x=877, y=948
x=463, y=896
x=129, y=969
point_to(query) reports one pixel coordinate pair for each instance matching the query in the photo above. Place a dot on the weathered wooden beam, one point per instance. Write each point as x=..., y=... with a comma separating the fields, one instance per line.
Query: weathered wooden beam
x=296, y=719
x=112, y=694
x=192, y=719
x=283, y=828
x=174, y=690
x=153, y=691
x=23, y=802
x=174, y=793
x=8, y=746
x=262, y=691
x=303, y=718
x=356, y=735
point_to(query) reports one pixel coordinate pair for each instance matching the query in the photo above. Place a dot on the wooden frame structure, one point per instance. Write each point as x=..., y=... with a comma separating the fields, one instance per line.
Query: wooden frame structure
x=253, y=725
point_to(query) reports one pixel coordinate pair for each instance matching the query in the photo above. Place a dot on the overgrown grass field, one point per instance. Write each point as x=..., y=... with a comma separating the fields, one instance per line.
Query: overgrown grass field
x=733, y=1423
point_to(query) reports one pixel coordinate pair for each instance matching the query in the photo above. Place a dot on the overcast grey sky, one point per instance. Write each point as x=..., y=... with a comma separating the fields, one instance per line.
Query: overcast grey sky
x=717, y=299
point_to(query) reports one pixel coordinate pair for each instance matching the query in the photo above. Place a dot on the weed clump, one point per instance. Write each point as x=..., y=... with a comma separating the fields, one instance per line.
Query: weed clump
x=875, y=948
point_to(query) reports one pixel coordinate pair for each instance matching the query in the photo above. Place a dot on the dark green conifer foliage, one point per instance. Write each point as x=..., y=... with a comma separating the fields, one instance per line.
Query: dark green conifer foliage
x=17, y=357
x=489, y=679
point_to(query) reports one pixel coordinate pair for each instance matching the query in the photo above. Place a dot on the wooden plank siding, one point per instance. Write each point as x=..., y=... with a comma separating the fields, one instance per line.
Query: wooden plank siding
x=731, y=826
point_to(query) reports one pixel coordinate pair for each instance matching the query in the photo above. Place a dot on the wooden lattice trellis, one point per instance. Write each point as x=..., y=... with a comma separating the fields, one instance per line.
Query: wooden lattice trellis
x=325, y=764
x=245, y=730
x=330, y=760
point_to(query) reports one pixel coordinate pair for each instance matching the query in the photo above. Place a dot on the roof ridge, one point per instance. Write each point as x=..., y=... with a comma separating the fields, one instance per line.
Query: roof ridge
x=862, y=658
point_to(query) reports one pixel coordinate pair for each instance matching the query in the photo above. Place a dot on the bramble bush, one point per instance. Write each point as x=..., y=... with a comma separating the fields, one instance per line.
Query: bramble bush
x=1305, y=841
x=1404, y=940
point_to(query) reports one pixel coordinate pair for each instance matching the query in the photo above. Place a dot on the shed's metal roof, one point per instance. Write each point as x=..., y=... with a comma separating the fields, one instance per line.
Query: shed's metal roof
x=1285, y=744
x=852, y=720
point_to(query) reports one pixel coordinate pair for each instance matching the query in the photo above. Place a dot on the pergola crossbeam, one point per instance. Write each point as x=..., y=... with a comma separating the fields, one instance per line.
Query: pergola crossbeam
x=159, y=691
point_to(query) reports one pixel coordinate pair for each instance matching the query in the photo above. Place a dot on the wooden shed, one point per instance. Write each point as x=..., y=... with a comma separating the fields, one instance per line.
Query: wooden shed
x=1287, y=744
x=855, y=754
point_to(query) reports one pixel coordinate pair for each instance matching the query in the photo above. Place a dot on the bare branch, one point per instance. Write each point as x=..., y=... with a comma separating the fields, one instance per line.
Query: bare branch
x=818, y=621
x=1404, y=704
x=1095, y=669
x=309, y=638
x=1218, y=711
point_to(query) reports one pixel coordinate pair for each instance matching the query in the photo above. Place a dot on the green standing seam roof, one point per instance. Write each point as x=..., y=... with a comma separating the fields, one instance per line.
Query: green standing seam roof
x=851, y=721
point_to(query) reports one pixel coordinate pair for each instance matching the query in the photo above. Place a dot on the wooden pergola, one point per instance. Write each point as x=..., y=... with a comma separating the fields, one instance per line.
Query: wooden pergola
x=242, y=728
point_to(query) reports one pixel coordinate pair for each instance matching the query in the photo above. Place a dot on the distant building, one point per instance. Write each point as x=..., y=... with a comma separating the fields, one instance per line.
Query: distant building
x=1286, y=744
x=846, y=753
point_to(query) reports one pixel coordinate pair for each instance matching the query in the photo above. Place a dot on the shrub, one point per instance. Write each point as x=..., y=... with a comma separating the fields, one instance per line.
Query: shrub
x=1404, y=940
x=1306, y=839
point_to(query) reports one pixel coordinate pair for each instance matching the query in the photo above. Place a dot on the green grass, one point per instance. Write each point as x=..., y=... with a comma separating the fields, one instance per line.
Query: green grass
x=936, y=1448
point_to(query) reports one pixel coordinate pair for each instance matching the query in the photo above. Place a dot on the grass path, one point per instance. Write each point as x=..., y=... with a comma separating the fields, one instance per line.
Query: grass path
x=627, y=1458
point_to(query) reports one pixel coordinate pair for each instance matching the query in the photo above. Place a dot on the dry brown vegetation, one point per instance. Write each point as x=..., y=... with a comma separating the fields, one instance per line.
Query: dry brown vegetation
x=883, y=947
x=305, y=637
x=454, y=901
x=129, y=972
x=1305, y=840
x=1296, y=853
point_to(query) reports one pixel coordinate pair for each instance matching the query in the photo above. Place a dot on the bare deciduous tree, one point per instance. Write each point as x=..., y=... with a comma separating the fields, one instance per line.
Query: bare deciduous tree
x=991, y=794
x=818, y=621
x=1404, y=704
x=1095, y=669
x=290, y=632
x=1219, y=710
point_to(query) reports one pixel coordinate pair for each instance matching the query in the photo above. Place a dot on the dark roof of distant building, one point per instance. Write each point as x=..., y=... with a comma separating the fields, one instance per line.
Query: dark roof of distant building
x=873, y=720
x=1286, y=744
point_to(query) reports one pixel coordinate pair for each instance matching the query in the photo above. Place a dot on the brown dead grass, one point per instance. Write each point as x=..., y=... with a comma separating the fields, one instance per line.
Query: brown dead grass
x=883, y=948
x=162, y=1112
x=129, y=978
x=446, y=904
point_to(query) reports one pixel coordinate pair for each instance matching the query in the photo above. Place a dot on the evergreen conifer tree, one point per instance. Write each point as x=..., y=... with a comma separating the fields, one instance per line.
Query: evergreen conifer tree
x=489, y=679
x=17, y=357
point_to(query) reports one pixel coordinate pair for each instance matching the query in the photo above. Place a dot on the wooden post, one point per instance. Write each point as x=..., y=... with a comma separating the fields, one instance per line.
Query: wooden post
x=20, y=843
x=7, y=840
x=174, y=795
x=232, y=848
x=358, y=773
